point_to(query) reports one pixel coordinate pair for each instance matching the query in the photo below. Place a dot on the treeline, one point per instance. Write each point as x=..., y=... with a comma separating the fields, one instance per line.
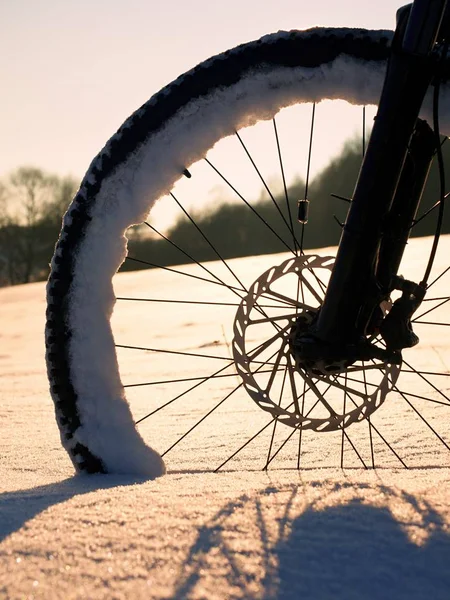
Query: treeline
x=32, y=203
x=233, y=229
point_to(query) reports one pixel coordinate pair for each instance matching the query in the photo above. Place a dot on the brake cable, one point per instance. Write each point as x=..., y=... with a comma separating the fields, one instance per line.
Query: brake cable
x=441, y=167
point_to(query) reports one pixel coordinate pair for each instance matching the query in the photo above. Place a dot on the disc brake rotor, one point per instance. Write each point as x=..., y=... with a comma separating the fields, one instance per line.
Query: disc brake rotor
x=275, y=304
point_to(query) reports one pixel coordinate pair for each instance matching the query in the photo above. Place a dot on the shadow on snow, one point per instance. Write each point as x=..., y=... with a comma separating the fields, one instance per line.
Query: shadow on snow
x=276, y=545
x=16, y=508
x=352, y=550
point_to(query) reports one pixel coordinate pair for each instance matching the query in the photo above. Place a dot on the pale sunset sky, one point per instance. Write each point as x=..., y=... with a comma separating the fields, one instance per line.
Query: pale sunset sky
x=71, y=71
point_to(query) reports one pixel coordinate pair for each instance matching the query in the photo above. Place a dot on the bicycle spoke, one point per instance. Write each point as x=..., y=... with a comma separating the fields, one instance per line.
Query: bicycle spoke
x=310, y=288
x=202, y=419
x=169, y=301
x=245, y=444
x=422, y=417
x=308, y=169
x=419, y=397
x=430, y=310
x=430, y=210
x=301, y=291
x=300, y=435
x=293, y=386
x=231, y=288
x=342, y=436
x=366, y=383
x=293, y=403
x=191, y=258
x=391, y=448
x=438, y=277
x=199, y=302
x=163, y=351
x=289, y=317
x=172, y=270
x=280, y=355
x=333, y=414
x=210, y=244
x=425, y=372
x=278, y=450
x=427, y=381
x=377, y=367
x=185, y=379
x=255, y=212
x=257, y=351
x=431, y=323
x=338, y=385
x=183, y=393
x=377, y=431
x=372, y=455
x=272, y=294
x=276, y=420
x=323, y=287
x=274, y=202
x=286, y=195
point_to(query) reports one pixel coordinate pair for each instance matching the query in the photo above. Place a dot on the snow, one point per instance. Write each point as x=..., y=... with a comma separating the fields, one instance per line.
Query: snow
x=320, y=532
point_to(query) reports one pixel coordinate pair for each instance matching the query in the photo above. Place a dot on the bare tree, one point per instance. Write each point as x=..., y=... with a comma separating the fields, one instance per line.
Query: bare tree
x=32, y=203
x=63, y=190
x=30, y=189
x=6, y=275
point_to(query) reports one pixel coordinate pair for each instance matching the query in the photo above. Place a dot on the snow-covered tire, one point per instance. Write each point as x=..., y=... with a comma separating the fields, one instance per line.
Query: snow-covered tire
x=141, y=162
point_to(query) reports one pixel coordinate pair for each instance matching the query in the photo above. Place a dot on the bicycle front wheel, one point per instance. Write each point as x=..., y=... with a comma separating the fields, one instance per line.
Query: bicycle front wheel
x=154, y=148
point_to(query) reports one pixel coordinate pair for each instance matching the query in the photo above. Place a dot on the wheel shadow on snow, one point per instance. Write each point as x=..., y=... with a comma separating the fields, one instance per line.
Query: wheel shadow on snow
x=16, y=508
x=357, y=551
x=352, y=549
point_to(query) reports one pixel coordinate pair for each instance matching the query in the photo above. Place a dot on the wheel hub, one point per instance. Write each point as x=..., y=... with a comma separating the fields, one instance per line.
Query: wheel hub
x=301, y=345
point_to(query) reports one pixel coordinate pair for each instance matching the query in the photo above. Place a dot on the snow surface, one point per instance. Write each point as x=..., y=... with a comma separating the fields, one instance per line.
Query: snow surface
x=321, y=533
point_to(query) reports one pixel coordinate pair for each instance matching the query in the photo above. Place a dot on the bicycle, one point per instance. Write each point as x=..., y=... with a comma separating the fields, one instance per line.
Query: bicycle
x=317, y=342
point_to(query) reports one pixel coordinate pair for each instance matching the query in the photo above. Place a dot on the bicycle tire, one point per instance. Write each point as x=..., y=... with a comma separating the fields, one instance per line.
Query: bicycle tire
x=250, y=82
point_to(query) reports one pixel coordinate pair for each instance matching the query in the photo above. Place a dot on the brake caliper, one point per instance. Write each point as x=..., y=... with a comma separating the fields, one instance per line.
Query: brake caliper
x=396, y=328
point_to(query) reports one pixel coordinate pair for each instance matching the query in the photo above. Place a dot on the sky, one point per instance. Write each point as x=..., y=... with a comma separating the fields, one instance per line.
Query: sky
x=73, y=70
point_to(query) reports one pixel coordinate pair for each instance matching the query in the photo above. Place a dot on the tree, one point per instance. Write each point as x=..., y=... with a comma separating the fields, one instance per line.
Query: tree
x=63, y=190
x=32, y=203
x=29, y=191
x=7, y=262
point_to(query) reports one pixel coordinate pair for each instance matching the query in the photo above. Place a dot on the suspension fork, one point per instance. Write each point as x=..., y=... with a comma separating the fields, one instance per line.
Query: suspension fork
x=353, y=284
x=397, y=226
x=402, y=213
